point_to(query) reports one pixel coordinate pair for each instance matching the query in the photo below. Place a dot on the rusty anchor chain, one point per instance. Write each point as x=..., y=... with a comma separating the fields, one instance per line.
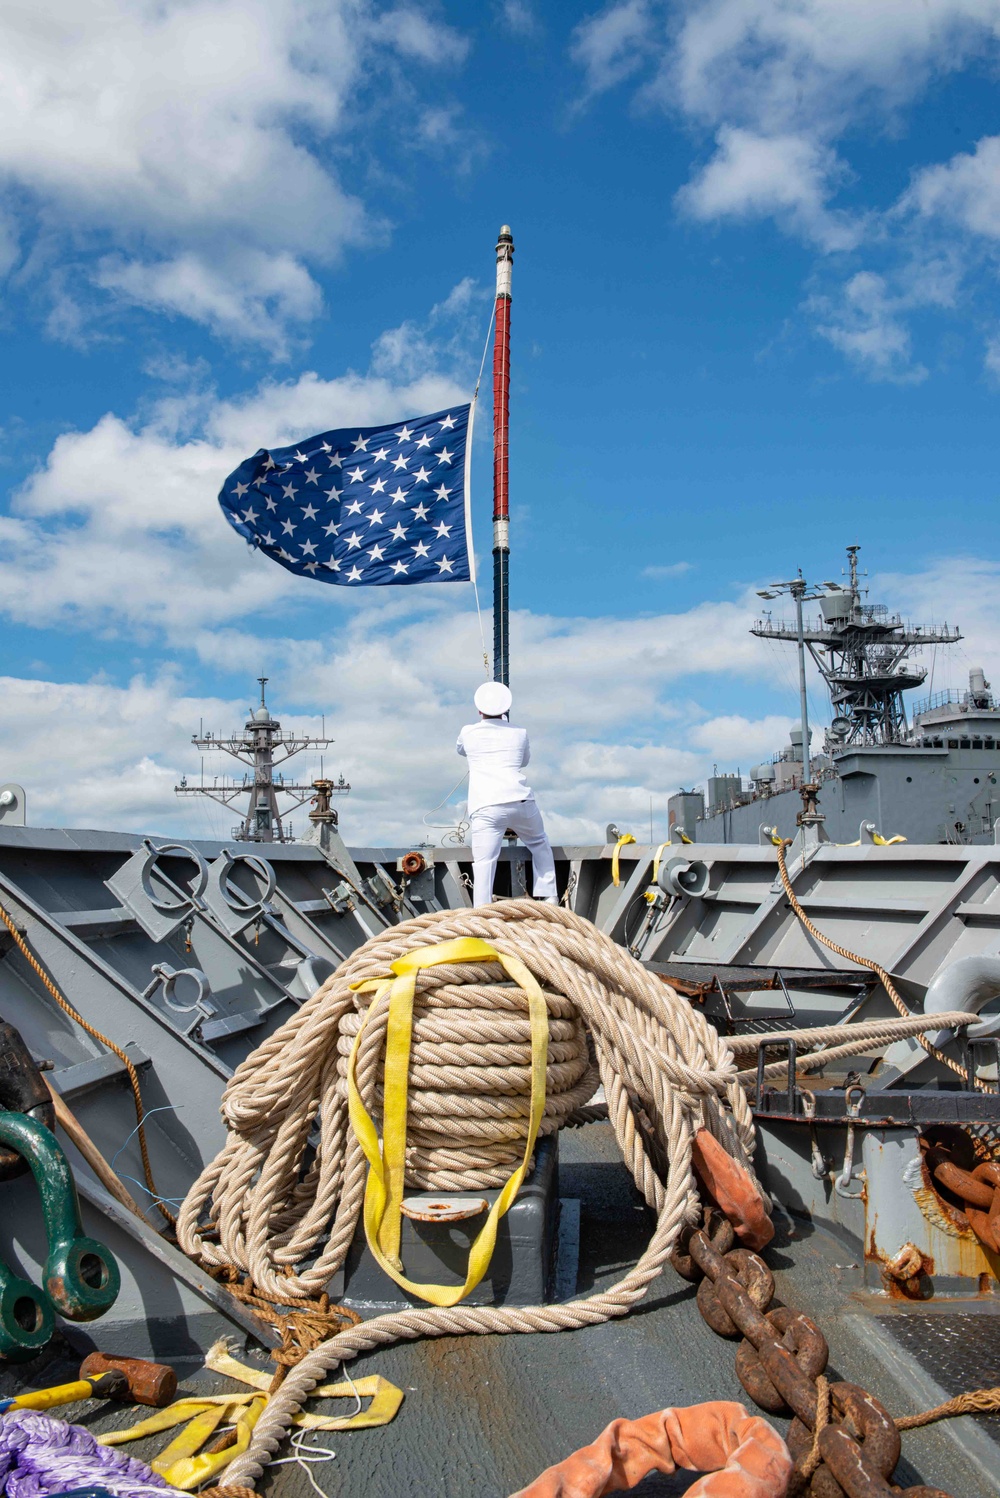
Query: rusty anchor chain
x=978, y=1190
x=781, y=1358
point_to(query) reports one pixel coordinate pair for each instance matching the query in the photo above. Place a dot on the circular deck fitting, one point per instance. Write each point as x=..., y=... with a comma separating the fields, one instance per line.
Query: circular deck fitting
x=442, y=1208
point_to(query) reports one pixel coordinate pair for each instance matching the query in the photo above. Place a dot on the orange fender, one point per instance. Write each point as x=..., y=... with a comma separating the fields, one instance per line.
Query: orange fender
x=732, y=1189
x=741, y=1455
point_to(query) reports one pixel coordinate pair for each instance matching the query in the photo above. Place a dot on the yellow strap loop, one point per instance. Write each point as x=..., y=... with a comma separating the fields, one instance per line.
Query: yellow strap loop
x=619, y=845
x=174, y=1414
x=187, y=1470
x=384, y=1190
x=657, y=856
x=886, y=842
x=385, y=1397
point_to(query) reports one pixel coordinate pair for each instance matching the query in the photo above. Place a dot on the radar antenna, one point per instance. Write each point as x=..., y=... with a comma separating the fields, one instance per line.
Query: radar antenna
x=863, y=654
x=263, y=746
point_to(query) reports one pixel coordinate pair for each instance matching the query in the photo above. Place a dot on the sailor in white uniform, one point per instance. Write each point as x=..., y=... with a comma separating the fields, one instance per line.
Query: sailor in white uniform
x=500, y=797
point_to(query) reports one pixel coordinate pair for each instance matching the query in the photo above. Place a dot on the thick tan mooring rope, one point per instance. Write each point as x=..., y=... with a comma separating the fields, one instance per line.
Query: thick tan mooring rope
x=837, y=1042
x=652, y=1052
x=893, y=993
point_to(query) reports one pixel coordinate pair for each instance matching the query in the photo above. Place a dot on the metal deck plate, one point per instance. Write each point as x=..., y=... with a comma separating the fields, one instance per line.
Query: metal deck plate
x=960, y=1351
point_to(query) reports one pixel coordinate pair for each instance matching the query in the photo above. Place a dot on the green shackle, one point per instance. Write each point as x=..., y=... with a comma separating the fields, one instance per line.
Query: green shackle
x=81, y=1277
x=26, y=1319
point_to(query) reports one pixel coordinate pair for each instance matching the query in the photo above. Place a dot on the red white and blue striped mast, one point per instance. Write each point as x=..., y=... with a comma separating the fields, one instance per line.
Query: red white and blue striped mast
x=501, y=421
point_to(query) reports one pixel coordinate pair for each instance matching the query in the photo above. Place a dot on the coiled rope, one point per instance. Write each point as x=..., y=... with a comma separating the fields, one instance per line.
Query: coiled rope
x=666, y=1073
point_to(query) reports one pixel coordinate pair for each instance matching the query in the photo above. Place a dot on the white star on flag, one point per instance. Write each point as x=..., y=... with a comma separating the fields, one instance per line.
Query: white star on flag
x=429, y=543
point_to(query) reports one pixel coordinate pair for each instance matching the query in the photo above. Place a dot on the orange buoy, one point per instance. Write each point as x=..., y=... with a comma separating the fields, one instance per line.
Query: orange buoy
x=741, y=1455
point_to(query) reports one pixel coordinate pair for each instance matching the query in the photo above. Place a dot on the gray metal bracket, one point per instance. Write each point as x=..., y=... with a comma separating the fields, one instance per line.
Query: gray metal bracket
x=231, y=907
x=159, y=905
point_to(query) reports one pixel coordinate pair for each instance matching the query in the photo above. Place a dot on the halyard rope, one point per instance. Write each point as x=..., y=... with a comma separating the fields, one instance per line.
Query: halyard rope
x=272, y=1209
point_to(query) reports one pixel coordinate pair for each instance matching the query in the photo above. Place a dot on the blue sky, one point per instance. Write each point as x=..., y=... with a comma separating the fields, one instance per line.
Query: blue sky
x=755, y=319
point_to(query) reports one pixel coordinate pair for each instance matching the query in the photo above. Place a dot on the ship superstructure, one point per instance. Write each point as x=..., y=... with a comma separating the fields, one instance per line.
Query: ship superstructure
x=263, y=747
x=930, y=775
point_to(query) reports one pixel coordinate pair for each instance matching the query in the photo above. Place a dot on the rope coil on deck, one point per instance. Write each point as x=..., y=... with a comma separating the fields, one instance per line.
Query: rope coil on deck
x=287, y=1222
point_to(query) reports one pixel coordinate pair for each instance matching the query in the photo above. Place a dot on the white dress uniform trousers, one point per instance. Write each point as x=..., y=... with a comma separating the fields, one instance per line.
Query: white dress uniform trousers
x=500, y=797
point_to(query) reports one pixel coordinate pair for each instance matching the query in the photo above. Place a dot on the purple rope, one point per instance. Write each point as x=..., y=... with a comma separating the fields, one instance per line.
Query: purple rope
x=40, y=1456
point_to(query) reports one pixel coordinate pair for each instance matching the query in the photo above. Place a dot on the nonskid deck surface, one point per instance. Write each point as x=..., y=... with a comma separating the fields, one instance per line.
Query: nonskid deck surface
x=484, y=1415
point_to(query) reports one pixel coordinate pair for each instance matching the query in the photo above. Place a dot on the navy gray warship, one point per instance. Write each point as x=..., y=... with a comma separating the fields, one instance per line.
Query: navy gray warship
x=929, y=775
x=191, y=953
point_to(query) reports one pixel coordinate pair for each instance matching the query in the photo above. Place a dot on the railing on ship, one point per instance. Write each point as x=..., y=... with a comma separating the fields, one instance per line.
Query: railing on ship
x=953, y=697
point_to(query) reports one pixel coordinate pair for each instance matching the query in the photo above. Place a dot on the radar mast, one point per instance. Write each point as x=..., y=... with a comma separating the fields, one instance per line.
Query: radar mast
x=263, y=747
x=863, y=654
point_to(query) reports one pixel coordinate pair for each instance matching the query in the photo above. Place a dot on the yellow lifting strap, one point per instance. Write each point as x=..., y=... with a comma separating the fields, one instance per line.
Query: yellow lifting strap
x=384, y=1189
x=886, y=842
x=619, y=845
x=184, y=1465
x=657, y=856
x=385, y=1397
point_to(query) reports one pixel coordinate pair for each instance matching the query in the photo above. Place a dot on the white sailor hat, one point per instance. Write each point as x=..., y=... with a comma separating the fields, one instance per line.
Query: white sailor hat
x=493, y=699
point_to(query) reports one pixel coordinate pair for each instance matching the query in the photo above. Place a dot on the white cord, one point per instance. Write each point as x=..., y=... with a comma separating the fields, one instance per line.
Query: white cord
x=459, y=828
x=306, y=1456
x=442, y=803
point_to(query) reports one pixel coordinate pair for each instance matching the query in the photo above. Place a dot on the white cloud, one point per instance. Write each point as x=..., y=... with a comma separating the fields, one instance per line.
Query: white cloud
x=782, y=86
x=611, y=46
x=667, y=569
x=953, y=590
x=607, y=703
x=413, y=35
x=733, y=740
x=218, y=191
x=395, y=681
x=781, y=81
x=991, y=355
x=964, y=191
x=787, y=177
x=121, y=531
x=250, y=296
x=867, y=325
x=519, y=17
x=814, y=64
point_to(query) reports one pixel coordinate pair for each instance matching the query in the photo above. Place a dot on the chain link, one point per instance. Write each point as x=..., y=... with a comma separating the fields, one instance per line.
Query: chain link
x=781, y=1362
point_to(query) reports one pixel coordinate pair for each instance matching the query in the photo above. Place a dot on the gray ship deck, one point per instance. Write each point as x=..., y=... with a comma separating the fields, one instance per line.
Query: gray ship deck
x=484, y=1415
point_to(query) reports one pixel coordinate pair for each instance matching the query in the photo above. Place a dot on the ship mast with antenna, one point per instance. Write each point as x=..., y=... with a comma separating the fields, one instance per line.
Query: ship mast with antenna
x=263, y=747
x=863, y=654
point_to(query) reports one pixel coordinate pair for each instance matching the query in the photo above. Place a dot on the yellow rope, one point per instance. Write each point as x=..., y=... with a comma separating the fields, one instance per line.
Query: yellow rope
x=133, y=1075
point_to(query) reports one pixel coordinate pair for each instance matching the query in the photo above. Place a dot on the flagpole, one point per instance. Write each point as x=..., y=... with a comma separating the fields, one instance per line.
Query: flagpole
x=501, y=415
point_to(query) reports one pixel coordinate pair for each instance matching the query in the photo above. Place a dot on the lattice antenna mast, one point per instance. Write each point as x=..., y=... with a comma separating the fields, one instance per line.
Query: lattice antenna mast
x=263, y=747
x=863, y=654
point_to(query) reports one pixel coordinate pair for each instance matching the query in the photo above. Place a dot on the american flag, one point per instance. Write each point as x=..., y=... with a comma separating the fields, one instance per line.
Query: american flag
x=362, y=507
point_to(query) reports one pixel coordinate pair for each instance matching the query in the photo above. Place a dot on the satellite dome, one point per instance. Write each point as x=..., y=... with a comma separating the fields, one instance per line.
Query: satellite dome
x=262, y=715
